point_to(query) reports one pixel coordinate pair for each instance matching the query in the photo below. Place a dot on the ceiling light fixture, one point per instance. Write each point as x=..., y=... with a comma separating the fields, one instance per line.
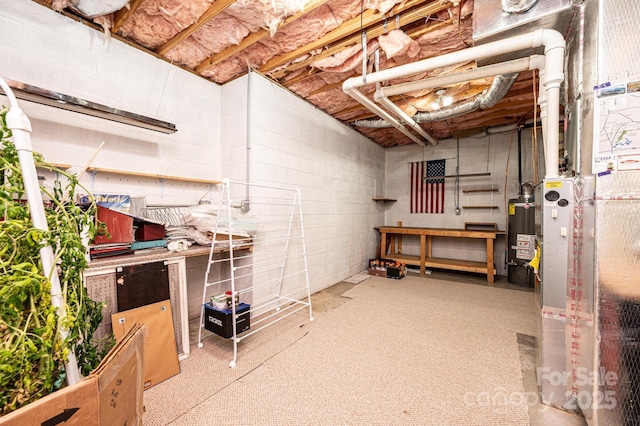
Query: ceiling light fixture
x=441, y=101
x=82, y=106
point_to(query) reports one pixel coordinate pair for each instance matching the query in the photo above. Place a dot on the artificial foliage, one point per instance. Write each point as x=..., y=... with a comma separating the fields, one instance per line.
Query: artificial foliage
x=32, y=353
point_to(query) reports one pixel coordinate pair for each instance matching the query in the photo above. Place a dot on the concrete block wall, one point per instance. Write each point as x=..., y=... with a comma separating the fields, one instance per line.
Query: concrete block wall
x=496, y=154
x=294, y=145
x=45, y=49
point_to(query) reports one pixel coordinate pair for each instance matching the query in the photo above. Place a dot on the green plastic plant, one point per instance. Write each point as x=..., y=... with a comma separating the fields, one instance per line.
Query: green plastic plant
x=32, y=355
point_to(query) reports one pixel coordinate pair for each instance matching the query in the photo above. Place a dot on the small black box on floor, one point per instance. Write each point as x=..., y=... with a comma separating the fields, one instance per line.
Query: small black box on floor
x=219, y=320
x=396, y=272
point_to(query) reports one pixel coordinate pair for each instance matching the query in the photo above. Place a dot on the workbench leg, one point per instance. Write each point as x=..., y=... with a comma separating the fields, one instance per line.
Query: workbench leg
x=380, y=251
x=423, y=239
x=383, y=244
x=490, y=269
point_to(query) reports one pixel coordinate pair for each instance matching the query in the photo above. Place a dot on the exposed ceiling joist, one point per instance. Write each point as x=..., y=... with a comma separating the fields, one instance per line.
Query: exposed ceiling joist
x=124, y=14
x=253, y=38
x=212, y=12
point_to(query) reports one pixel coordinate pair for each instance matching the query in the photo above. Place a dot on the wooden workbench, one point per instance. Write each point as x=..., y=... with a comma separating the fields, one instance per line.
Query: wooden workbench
x=426, y=259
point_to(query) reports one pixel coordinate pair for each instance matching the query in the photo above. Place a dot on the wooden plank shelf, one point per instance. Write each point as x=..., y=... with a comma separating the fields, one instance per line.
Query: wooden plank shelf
x=456, y=176
x=151, y=175
x=480, y=207
x=55, y=165
x=469, y=191
x=384, y=200
x=438, y=262
x=481, y=226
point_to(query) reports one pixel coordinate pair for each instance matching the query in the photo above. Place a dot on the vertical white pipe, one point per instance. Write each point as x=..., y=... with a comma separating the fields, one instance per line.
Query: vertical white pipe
x=542, y=102
x=554, y=76
x=20, y=127
x=245, y=205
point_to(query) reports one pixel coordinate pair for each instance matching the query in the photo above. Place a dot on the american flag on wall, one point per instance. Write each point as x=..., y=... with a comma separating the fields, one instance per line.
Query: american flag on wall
x=427, y=196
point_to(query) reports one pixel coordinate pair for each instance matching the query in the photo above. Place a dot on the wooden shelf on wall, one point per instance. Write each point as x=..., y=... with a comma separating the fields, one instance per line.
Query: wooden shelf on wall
x=56, y=165
x=468, y=191
x=480, y=207
x=480, y=226
x=384, y=200
x=151, y=175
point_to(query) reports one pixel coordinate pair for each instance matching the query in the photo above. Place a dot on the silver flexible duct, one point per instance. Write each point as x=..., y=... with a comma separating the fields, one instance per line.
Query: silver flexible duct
x=498, y=89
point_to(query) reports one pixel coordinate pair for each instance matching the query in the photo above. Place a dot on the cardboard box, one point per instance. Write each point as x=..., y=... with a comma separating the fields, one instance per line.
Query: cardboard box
x=219, y=320
x=160, y=350
x=378, y=272
x=110, y=395
x=387, y=268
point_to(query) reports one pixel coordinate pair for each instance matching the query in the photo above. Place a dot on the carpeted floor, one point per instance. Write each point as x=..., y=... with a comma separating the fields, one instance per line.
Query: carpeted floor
x=418, y=351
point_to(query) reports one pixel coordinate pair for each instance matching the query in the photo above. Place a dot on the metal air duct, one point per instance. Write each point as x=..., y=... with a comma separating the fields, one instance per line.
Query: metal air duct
x=498, y=89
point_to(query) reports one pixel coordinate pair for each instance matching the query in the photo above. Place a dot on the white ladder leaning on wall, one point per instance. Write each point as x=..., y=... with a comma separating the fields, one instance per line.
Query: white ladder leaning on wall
x=258, y=252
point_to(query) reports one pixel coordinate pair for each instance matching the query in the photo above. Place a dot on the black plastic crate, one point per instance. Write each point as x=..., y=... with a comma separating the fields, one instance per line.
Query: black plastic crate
x=219, y=320
x=397, y=272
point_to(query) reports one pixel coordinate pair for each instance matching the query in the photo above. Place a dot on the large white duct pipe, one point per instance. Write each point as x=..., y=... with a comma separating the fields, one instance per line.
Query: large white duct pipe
x=20, y=126
x=554, y=45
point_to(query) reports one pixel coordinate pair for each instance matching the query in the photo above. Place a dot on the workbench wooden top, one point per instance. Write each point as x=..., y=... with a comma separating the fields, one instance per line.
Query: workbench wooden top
x=442, y=232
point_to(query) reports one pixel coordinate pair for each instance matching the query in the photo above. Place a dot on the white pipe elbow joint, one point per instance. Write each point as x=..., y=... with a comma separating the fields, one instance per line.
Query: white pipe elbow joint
x=537, y=62
x=379, y=94
x=552, y=39
x=348, y=85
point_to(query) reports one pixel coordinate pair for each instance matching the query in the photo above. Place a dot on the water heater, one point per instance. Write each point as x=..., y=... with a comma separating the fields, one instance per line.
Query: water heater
x=521, y=238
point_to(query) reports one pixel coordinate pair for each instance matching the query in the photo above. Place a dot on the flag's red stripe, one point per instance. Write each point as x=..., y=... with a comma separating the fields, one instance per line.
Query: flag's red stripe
x=414, y=186
x=423, y=188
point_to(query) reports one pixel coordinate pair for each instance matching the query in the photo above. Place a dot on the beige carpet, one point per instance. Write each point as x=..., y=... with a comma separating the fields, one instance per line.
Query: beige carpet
x=391, y=352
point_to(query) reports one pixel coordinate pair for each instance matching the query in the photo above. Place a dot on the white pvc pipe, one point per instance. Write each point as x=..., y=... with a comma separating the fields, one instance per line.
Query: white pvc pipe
x=554, y=45
x=513, y=44
x=384, y=115
x=553, y=78
x=381, y=94
x=410, y=121
x=20, y=127
x=542, y=102
x=509, y=67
